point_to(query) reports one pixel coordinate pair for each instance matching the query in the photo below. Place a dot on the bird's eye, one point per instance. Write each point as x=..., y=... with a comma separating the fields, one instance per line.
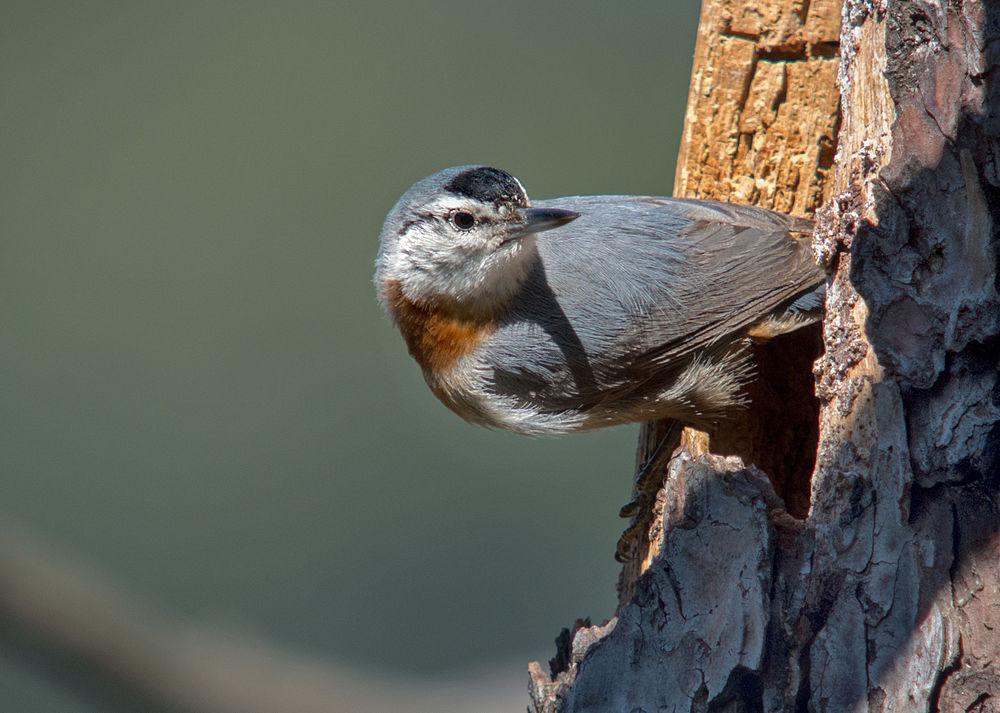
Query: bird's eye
x=462, y=220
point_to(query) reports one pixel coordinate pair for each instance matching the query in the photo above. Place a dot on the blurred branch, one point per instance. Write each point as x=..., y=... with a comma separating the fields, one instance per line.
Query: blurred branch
x=81, y=629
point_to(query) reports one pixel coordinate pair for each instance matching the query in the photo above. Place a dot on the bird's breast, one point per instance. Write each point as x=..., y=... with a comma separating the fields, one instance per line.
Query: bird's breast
x=436, y=337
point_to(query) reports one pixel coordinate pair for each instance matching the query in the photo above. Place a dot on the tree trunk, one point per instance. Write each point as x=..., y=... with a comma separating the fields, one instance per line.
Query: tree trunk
x=875, y=583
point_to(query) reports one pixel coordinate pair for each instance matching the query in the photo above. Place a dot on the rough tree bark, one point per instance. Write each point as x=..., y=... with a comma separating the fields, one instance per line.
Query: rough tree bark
x=886, y=594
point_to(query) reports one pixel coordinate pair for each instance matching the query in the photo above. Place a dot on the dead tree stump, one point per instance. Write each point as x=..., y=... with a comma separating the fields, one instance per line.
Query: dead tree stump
x=875, y=584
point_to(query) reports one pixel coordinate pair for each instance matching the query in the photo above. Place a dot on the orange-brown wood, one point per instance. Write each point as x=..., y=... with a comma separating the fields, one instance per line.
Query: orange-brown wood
x=760, y=128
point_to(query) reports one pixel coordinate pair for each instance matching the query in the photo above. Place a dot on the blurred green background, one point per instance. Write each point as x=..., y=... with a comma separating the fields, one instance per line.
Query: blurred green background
x=199, y=391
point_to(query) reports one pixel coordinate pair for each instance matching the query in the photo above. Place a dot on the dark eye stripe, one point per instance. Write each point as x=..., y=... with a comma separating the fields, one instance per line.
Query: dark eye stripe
x=422, y=217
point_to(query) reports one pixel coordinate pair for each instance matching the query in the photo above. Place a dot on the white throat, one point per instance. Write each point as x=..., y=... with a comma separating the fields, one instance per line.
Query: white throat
x=479, y=278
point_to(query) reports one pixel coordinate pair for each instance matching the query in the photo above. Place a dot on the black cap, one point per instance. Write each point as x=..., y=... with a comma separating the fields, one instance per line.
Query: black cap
x=489, y=185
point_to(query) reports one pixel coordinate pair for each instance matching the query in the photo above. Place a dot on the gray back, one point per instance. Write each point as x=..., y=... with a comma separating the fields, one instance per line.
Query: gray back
x=637, y=283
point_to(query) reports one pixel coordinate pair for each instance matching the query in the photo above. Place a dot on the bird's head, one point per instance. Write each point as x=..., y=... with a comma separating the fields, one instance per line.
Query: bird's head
x=462, y=237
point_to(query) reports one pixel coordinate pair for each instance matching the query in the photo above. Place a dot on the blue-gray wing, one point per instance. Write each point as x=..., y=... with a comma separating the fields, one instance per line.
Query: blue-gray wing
x=633, y=292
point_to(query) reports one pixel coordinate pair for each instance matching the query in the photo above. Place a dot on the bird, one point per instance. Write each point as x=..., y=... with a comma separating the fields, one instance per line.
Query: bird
x=554, y=316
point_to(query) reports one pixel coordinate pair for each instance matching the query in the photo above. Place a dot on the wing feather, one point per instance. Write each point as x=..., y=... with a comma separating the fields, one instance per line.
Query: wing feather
x=631, y=294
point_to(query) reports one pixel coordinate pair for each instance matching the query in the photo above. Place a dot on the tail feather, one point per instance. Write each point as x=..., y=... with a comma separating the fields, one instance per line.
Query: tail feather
x=803, y=310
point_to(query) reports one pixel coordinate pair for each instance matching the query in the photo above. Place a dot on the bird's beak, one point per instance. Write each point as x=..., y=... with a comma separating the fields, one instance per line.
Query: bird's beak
x=535, y=220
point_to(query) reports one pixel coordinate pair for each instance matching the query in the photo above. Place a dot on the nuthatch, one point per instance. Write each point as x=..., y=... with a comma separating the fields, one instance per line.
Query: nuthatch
x=575, y=313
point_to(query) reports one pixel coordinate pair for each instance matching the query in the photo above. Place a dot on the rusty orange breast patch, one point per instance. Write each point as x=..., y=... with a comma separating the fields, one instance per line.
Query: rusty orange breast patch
x=436, y=336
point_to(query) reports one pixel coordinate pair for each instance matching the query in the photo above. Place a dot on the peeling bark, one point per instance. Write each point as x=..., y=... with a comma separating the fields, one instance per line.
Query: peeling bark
x=886, y=595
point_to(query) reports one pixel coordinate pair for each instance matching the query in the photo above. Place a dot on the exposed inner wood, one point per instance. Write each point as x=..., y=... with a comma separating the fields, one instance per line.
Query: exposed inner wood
x=760, y=128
